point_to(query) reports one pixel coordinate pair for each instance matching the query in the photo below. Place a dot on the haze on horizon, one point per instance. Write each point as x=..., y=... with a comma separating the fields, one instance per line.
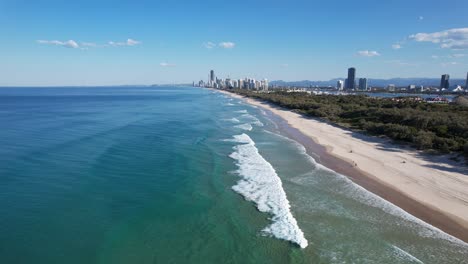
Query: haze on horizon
x=142, y=42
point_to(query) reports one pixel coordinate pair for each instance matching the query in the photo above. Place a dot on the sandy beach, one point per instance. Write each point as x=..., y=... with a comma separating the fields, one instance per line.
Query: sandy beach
x=428, y=187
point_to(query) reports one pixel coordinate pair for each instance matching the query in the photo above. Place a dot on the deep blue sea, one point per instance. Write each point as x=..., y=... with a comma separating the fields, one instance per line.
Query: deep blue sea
x=182, y=175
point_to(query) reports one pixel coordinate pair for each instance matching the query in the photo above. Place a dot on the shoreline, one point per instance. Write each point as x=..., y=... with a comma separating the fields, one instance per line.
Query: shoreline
x=442, y=204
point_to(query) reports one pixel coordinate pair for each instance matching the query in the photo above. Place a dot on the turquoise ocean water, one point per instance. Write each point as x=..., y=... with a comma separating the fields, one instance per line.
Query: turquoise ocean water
x=182, y=175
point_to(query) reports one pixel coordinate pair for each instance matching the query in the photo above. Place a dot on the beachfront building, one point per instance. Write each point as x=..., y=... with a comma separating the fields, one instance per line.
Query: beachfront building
x=251, y=84
x=363, y=84
x=264, y=85
x=228, y=83
x=444, y=81
x=212, y=76
x=240, y=83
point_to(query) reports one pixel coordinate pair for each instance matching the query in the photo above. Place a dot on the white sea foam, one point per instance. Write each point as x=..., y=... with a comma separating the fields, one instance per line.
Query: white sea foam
x=246, y=126
x=241, y=111
x=364, y=196
x=261, y=185
x=257, y=123
x=253, y=119
x=405, y=255
x=230, y=104
x=233, y=120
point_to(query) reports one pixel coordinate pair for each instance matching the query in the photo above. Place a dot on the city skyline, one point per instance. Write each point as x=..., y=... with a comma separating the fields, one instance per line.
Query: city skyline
x=341, y=85
x=105, y=43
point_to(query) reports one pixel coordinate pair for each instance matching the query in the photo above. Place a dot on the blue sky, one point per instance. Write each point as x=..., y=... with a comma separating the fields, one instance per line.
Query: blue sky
x=147, y=42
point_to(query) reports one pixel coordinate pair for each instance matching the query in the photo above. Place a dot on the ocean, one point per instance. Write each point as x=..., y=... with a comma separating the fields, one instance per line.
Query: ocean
x=182, y=175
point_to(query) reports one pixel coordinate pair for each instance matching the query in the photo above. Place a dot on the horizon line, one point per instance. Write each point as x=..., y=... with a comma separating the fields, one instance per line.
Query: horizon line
x=190, y=83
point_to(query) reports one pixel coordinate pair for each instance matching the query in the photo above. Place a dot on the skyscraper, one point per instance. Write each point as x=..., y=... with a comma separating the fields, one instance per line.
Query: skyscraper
x=466, y=84
x=444, y=81
x=363, y=84
x=351, y=81
x=212, y=76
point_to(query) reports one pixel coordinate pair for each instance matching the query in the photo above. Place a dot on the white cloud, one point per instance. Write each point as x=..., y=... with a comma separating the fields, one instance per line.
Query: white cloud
x=85, y=45
x=227, y=45
x=89, y=44
x=401, y=63
x=209, y=45
x=445, y=64
x=224, y=45
x=71, y=44
x=368, y=53
x=457, y=55
x=451, y=56
x=456, y=38
x=421, y=18
x=67, y=44
x=129, y=42
x=165, y=64
x=396, y=46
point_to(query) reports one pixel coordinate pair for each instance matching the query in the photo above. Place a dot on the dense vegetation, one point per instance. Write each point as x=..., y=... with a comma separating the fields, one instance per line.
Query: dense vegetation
x=439, y=127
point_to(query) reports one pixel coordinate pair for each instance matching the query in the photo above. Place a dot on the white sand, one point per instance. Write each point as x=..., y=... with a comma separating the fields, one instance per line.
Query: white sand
x=441, y=185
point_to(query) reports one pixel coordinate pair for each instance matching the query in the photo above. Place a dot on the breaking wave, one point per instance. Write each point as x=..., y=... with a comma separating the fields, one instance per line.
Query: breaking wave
x=260, y=184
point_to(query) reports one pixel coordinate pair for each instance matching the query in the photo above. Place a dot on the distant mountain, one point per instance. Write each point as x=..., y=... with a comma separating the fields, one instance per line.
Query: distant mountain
x=399, y=82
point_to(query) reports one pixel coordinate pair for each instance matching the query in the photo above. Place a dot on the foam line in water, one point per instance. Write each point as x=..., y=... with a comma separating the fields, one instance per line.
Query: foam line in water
x=261, y=185
x=234, y=120
x=254, y=120
x=246, y=126
x=405, y=255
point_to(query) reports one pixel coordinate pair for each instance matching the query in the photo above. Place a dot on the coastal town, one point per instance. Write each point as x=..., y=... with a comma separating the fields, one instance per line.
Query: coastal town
x=350, y=85
x=442, y=94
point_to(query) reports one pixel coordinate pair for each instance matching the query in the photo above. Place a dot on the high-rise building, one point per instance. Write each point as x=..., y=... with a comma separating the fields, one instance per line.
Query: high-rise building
x=340, y=85
x=466, y=84
x=351, y=81
x=363, y=84
x=251, y=84
x=264, y=85
x=241, y=83
x=444, y=81
x=212, y=76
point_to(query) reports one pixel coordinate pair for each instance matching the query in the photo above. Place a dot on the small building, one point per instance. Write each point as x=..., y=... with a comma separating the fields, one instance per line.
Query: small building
x=458, y=89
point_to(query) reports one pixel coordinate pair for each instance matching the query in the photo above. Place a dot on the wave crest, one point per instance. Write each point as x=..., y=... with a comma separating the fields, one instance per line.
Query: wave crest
x=261, y=185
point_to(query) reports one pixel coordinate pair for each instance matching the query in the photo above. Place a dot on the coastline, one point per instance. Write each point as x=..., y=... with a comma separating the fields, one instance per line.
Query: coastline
x=431, y=191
